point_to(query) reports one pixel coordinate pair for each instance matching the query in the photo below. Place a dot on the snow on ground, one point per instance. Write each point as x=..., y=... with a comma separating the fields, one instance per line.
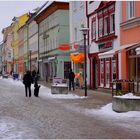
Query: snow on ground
x=128, y=96
x=108, y=112
x=44, y=91
x=11, y=128
x=105, y=111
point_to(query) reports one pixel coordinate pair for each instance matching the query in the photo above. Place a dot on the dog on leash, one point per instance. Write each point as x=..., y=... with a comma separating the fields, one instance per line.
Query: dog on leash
x=36, y=89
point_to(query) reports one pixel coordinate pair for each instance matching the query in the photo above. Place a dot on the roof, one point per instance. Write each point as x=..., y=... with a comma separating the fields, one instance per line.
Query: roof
x=50, y=5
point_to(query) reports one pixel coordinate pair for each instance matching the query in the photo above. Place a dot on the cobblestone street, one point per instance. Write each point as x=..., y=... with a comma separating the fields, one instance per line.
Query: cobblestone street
x=44, y=118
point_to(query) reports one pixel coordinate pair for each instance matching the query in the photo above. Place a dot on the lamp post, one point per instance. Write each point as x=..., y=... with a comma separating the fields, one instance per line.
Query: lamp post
x=30, y=51
x=85, y=32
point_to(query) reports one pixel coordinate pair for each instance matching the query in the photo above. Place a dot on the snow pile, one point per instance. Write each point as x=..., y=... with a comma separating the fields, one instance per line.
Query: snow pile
x=106, y=111
x=44, y=91
x=128, y=96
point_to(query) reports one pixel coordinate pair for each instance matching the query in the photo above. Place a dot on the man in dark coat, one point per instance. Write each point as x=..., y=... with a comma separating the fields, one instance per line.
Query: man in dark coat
x=71, y=79
x=27, y=80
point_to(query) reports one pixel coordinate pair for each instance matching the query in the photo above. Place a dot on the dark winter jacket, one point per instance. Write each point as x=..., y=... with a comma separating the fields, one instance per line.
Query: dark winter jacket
x=27, y=79
x=71, y=76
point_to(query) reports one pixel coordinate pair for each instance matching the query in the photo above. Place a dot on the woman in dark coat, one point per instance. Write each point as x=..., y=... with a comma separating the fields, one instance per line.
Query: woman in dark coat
x=27, y=80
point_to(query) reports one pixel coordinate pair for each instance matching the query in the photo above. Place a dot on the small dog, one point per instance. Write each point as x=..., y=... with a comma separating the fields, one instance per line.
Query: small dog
x=36, y=89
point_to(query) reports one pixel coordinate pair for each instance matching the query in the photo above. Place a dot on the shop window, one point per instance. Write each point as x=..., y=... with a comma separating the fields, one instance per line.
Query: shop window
x=132, y=68
x=107, y=73
x=102, y=73
x=114, y=69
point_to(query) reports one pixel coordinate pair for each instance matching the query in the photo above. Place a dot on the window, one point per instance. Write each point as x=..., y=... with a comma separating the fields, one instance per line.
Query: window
x=81, y=4
x=112, y=23
x=131, y=8
x=100, y=27
x=107, y=74
x=91, y=2
x=74, y=5
x=101, y=73
x=105, y=25
x=75, y=34
x=93, y=27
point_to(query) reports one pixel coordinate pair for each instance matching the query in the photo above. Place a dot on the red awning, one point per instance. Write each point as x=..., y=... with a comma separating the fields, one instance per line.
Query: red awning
x=64, y=47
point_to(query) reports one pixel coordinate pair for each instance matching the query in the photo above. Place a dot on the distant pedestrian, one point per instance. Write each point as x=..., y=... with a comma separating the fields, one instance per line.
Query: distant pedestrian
x=36, y=88
x=81, y=80
x=33, y=75
x=27, y=80
x=71, y=79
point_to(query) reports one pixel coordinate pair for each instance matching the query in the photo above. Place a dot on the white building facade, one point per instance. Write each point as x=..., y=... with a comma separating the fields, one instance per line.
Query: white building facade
x=78, y=20
x=104, y=40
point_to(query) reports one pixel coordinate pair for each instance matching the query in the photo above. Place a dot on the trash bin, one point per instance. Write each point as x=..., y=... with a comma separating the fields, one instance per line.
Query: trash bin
x=118, y=86
x=15, y=76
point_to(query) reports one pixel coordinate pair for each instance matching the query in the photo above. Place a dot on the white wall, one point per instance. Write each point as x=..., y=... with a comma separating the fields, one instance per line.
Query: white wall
x=77, y=17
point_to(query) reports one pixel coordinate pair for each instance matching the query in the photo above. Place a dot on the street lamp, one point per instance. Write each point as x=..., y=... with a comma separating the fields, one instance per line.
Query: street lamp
x=85, y=32
x=30, y=51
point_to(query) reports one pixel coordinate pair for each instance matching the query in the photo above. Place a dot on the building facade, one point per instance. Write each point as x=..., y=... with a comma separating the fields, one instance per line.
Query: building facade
x=53, y=24
x=7, y=49
x=78, y=20
x=130, y=42
x=104, y=40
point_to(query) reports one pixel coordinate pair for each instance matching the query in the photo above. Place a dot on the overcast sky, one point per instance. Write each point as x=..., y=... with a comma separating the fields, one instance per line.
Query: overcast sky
x=9, y=9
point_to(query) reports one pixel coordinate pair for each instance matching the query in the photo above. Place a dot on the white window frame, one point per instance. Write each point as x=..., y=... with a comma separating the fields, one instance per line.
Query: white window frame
x=111, y=23
x=107, y=73
x=100, y=27
x=130, y=9
x=93, y=30
x=101, y=72
x=74, y=5
x=106, y=31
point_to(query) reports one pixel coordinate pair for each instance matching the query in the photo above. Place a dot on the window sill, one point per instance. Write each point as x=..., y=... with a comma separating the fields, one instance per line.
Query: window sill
x=133, y=22
x=106, y=38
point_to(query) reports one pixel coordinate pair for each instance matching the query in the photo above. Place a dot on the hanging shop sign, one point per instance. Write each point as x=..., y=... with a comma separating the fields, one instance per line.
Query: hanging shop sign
x=105, y=46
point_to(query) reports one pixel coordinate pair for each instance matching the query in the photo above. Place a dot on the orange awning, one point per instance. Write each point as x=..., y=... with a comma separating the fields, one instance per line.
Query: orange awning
x=77, y=58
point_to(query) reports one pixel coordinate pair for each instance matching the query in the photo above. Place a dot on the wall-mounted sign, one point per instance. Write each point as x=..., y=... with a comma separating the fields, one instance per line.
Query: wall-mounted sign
x=105, y=46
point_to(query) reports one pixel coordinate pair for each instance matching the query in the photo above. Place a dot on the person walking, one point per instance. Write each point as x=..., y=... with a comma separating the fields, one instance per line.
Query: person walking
x=27, y=80
x=71, y=79
x=81, y=80
x=33, y=75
